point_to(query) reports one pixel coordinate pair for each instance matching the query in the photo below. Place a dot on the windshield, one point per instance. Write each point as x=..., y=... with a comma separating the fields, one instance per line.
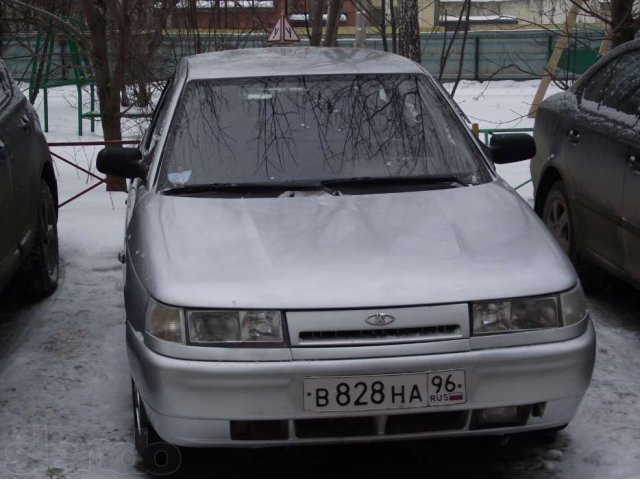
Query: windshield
x=310, y=129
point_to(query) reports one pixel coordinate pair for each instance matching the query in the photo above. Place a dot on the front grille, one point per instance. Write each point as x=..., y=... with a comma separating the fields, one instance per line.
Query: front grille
x=335, y=427
x=426, y=422
x=390, y=425
x=369, y=426
x=380, y=335
x=259, y=429
x=359, y=327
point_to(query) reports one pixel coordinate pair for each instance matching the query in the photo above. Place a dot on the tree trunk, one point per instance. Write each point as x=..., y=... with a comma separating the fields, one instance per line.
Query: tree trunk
x=333, y=19
x=110, y=45
x=623, y=24
x=467, y=7
x=409, y=30
x=316, y=23
x=383, y=25
x=110, y=115
x=394, y=26
x=108, y=88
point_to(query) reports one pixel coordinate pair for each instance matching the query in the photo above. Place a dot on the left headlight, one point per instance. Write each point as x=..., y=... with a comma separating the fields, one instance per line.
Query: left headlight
x=502, y=316
x=515, y=315
x=230, y=326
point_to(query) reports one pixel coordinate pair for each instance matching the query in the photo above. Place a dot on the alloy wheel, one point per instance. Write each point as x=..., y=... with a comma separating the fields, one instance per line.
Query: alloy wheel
x=558, y=221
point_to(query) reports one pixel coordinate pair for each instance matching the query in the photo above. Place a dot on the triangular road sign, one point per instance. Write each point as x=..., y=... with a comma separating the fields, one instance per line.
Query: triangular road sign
x=283, y=32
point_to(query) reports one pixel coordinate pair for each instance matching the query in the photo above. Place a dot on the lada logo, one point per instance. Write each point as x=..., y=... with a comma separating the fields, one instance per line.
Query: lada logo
x=380, y=319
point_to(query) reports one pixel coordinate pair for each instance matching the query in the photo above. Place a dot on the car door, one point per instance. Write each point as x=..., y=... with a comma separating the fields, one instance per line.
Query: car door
x=8, y=241
x=631, y=191
x=24, y=151
x=631, y=215
x=598, y=139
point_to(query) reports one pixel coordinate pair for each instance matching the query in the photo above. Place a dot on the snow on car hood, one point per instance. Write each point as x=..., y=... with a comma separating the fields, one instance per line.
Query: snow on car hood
x=313, y=252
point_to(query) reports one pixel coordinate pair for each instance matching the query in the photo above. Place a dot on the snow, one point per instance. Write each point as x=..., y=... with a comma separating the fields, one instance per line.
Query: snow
x=74, y=344
x=223, y=4
x=500, y=105
x=474, y=1
x=64, y=382
x=303, y=17
x=481, y=18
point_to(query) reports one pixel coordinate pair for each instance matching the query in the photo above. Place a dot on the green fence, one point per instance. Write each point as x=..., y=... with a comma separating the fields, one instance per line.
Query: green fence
x=512, y=54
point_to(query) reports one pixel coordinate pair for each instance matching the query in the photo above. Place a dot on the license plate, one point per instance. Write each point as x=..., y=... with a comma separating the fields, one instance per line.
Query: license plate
x=384, y=392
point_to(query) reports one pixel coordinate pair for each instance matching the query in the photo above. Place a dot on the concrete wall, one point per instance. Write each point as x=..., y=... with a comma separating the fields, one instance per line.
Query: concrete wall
x=528, y=12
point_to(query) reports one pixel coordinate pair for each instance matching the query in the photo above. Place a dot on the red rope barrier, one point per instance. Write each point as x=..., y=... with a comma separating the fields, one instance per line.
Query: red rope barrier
x=101, y=180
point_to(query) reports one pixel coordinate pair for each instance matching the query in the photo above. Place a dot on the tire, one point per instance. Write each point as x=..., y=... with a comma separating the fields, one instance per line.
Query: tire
x=158, y=456
x=38, y=276
x=558, y=217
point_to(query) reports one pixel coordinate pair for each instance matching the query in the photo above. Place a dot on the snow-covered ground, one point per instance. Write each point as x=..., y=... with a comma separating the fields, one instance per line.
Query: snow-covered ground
x=64, y=382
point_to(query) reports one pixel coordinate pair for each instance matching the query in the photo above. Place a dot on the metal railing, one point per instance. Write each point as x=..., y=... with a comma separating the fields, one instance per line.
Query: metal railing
x=490, y=131
x=487, y=132
x=100, y=180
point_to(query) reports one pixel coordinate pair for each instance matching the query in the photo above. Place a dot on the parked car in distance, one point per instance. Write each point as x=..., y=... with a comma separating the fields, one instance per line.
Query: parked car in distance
x=28, y=197
x=586, y=171
x=318, y=250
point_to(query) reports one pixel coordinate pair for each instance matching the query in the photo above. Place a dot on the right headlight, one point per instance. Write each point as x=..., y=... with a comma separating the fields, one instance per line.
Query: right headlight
x=233, y=326
x=214, y=327
x=164, y=322
x=552, y=311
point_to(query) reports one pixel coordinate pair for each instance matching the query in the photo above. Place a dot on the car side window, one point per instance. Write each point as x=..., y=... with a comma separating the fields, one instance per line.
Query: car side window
x=617, y=85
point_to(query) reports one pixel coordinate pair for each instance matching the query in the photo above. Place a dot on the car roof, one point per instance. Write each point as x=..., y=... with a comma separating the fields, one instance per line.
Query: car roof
x=284, y=61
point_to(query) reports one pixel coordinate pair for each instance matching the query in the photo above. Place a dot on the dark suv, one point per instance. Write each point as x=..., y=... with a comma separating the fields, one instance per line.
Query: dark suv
x=28, y=197
x=586, y=170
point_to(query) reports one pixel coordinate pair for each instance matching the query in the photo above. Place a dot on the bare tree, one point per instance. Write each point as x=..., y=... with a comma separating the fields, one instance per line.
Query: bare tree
x=198, y=26
x=316, y=23
x=333, y=20
x=375, y=13
x=622, y=18
x=396, y=22
x=464, y=44
x=114, y=26
x=15, y=22
x=409, y=30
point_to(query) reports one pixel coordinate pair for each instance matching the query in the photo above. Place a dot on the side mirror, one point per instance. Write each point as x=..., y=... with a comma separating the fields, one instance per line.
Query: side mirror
x=121, y=162
x=512, y=147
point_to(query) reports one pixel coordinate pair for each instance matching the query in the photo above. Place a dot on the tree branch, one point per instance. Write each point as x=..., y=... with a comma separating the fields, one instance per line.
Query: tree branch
x=79, y=35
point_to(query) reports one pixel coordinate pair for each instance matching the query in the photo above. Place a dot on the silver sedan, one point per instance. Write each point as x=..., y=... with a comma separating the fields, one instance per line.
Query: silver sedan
x=318, y=250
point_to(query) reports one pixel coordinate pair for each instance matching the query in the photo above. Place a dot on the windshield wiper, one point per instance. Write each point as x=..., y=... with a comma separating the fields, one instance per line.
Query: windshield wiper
x=425, y=181
x=332, y=187
x=248, y=189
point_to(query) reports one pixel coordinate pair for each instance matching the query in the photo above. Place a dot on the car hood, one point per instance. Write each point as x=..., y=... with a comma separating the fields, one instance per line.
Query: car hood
x=317, y=252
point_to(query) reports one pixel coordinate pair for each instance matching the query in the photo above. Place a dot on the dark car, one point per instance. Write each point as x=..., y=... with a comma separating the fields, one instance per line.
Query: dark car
x=586, y=171
x=28, y=197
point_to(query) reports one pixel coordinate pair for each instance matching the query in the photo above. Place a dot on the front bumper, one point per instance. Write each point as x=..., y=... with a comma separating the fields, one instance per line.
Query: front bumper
x=210, y=403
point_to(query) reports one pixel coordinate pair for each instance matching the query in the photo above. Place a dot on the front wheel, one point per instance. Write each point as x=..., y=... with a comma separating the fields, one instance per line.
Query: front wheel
x=38, y=276
x=159, y=457
x=557, y=216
